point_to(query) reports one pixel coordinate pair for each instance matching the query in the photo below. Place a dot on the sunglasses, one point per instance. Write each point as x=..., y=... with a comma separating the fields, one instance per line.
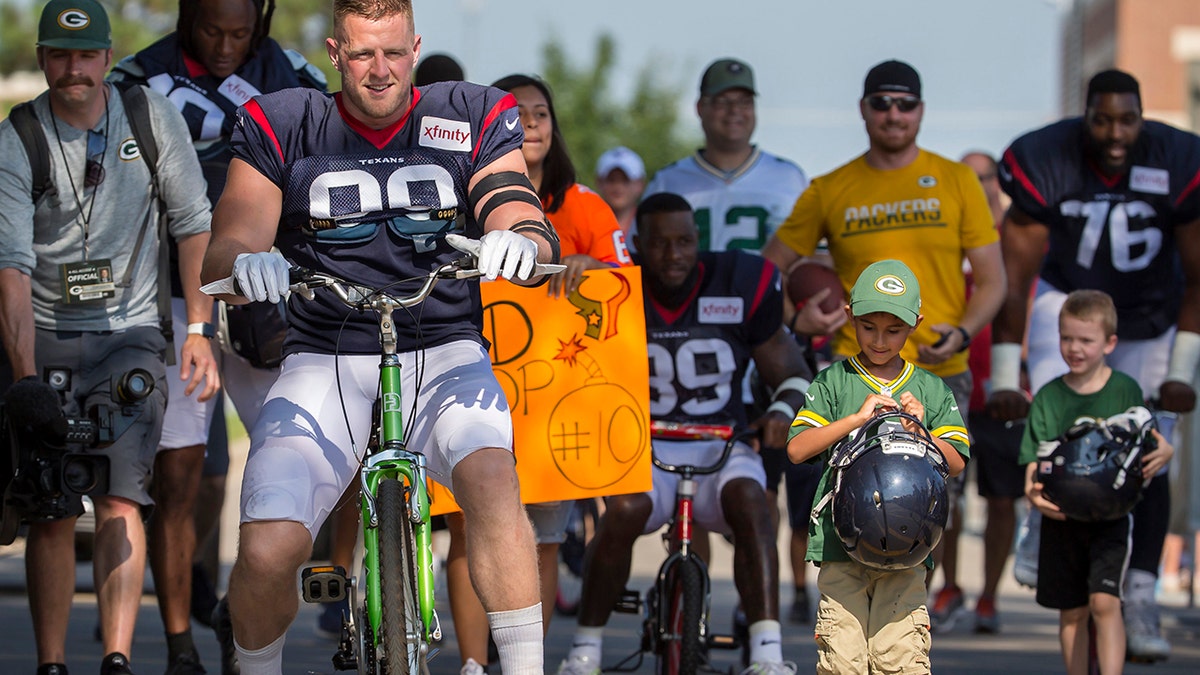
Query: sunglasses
x=884, y=103
x=97, y=144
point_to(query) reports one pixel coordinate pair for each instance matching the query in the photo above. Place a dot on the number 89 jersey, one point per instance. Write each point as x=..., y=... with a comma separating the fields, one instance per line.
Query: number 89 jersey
x=373, y=205
x=699, y=351
x=1111, y=234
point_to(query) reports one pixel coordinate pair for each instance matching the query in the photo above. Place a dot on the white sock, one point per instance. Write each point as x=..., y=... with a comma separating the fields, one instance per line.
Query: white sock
x=518, y=636
x=588, y=642
x=766, y=642
x=1139, y=587
x=265, y=661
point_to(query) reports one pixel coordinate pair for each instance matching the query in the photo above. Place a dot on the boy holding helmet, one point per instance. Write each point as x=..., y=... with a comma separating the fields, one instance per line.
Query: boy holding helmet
x=1081, y=562
x=855, y=634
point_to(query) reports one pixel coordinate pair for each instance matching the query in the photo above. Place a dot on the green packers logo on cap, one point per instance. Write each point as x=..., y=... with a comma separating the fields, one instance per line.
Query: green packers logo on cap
x=74, y=19
x=890, y=284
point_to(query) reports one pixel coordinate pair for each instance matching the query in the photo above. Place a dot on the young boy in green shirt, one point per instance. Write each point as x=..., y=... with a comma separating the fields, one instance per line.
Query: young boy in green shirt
x=1081, y=564
x=854, y=633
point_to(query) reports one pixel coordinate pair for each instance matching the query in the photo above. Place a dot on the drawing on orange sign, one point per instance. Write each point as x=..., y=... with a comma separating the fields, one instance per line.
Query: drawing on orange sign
x=576, y=376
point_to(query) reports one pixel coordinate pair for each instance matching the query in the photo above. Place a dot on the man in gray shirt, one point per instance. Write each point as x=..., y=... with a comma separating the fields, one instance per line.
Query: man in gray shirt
x=78, y=294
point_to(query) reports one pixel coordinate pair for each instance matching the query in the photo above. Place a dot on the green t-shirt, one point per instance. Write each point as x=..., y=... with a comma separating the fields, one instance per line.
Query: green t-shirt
x=839, y=391
x=1056, y=407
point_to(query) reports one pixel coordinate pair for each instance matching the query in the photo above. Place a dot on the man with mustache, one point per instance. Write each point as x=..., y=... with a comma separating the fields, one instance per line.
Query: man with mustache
x=1108, y=201
x=900, y=201
x=97, y=217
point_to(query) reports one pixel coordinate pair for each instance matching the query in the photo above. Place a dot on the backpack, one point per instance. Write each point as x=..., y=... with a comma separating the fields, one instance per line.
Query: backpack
x=137, y=110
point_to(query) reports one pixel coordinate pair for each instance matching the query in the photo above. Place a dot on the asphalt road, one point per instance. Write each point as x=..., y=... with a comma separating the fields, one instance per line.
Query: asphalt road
x=1027, y=642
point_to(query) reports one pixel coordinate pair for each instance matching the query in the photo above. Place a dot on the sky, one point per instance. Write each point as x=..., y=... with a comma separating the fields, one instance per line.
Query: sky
x=990, y=69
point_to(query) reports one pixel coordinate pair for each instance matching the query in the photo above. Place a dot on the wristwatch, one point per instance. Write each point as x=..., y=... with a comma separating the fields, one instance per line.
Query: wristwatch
x=966, y=337
x=204, y=328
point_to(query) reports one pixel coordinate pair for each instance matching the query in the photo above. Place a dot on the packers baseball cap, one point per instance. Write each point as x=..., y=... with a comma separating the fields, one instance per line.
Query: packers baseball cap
x=621, y=158
x=74, y=24
x=726, y=74
x=887, y=286
x=892, y=77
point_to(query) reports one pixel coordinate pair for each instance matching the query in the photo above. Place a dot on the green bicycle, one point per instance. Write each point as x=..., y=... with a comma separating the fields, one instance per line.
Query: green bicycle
x=391, y=628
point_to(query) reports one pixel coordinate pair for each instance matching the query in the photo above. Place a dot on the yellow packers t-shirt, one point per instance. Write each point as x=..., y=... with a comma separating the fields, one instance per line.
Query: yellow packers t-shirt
x=926, y=214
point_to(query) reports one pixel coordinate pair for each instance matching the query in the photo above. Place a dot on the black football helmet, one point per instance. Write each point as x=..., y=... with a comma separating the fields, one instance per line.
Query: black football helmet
x=889, y=497
x=1093, y=472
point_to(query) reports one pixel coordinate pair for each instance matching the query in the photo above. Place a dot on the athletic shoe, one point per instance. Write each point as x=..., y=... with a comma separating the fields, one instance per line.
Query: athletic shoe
x=1143, y=636
x=946, y=604
x=1025, y=560
x=115, y=663
x=329, y=621
x=579, y=665
x=187, y=663
x=800, y=612
x=771, y=668
x=223, y=627
x=986, y=620
x=52, y=669
x=472, y=667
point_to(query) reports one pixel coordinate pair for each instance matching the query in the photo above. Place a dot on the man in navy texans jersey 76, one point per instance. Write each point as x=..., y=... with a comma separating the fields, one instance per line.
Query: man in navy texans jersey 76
x=1107, y=201
x=365, y=185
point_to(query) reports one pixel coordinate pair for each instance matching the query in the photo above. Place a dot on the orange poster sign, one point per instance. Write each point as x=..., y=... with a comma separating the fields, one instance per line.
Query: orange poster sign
x=577, y=379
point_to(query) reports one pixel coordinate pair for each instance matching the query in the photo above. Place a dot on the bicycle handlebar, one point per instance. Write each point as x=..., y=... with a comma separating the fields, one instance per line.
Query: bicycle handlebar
x=699, y=432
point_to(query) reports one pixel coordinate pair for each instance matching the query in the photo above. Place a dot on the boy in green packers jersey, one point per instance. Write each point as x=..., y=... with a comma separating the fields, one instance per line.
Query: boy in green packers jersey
x=856, y=634
x=1081, y=564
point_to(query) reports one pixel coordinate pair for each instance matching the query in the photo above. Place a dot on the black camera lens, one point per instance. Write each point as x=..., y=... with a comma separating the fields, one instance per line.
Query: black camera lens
x=134, y=386
x=79, y=474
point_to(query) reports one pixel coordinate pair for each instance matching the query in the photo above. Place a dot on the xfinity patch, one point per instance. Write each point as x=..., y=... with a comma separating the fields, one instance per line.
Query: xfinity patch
x=445, y=134
x=1150, y=181
x=237, y=90
x=720, y=310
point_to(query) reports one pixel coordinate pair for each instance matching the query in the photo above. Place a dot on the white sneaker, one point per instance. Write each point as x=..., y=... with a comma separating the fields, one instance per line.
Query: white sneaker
x=1143, y=636
x=1025, y=560
x=579, y=665
x=472, y=667
x=771, y=668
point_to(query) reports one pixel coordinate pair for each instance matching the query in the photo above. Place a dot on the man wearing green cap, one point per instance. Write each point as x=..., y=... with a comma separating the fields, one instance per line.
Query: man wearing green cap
x=79, y=269
x=872, y=619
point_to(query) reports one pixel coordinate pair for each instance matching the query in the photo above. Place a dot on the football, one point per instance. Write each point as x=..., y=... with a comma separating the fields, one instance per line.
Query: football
x=807, y=278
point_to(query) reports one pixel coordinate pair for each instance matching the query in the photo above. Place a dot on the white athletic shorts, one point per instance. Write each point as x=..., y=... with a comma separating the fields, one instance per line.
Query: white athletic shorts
x=301, y=456
x=187, y=420
x=706, y=508
x=245, y=385
x=1144, y=360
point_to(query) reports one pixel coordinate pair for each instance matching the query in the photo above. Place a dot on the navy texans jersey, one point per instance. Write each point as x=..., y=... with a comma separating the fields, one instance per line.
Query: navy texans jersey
x=699, y=351
x=1111, y=234
x=374, y=206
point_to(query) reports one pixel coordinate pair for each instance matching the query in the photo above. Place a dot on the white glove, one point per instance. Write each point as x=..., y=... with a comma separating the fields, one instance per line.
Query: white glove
x=507, y=254
x=262, y=276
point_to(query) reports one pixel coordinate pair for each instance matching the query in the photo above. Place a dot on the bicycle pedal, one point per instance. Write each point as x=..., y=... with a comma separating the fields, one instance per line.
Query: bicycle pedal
x=629, y=603
x=323, y=584
x=724, y=642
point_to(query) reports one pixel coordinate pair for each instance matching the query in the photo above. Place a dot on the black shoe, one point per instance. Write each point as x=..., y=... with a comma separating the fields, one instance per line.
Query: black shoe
x=115, y=663
x=223, y=627
x=52, y=669
x=800, y=613
x=187, y=663
x=204, y=597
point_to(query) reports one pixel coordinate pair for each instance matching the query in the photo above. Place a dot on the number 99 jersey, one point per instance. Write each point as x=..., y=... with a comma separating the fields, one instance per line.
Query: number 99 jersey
x=1112, y=234
x=699, y=351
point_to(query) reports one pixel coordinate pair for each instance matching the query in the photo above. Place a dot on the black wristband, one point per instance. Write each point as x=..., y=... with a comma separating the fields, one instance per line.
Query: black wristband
x=966, y=338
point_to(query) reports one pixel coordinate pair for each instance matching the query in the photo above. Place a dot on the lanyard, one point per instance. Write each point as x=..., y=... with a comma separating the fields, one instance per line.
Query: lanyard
x=87, y=170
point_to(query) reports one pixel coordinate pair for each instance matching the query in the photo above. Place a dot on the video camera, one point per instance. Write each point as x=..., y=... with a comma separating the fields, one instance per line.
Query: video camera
x=45, y=468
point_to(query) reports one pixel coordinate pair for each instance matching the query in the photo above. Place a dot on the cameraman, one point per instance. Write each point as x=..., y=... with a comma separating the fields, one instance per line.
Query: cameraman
x=99, y=213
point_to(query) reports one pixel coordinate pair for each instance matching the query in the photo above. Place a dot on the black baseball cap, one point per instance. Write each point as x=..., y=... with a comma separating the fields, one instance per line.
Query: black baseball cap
x=892, y=77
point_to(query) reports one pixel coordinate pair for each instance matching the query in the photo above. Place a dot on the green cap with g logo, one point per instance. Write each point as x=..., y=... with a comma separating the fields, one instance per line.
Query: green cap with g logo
x=74, y=24
x=887, y=286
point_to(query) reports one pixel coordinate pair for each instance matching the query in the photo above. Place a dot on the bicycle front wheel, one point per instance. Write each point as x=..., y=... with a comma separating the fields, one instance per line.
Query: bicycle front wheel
x=681, y=651
x=400, y=630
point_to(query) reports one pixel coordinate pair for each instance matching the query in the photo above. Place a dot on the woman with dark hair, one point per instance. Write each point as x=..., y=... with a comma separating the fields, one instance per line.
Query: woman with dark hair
x=591, y=239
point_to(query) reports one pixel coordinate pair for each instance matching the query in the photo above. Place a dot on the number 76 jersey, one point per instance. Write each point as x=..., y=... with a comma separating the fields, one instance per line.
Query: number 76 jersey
x=1114, y=234
x=699, y=351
